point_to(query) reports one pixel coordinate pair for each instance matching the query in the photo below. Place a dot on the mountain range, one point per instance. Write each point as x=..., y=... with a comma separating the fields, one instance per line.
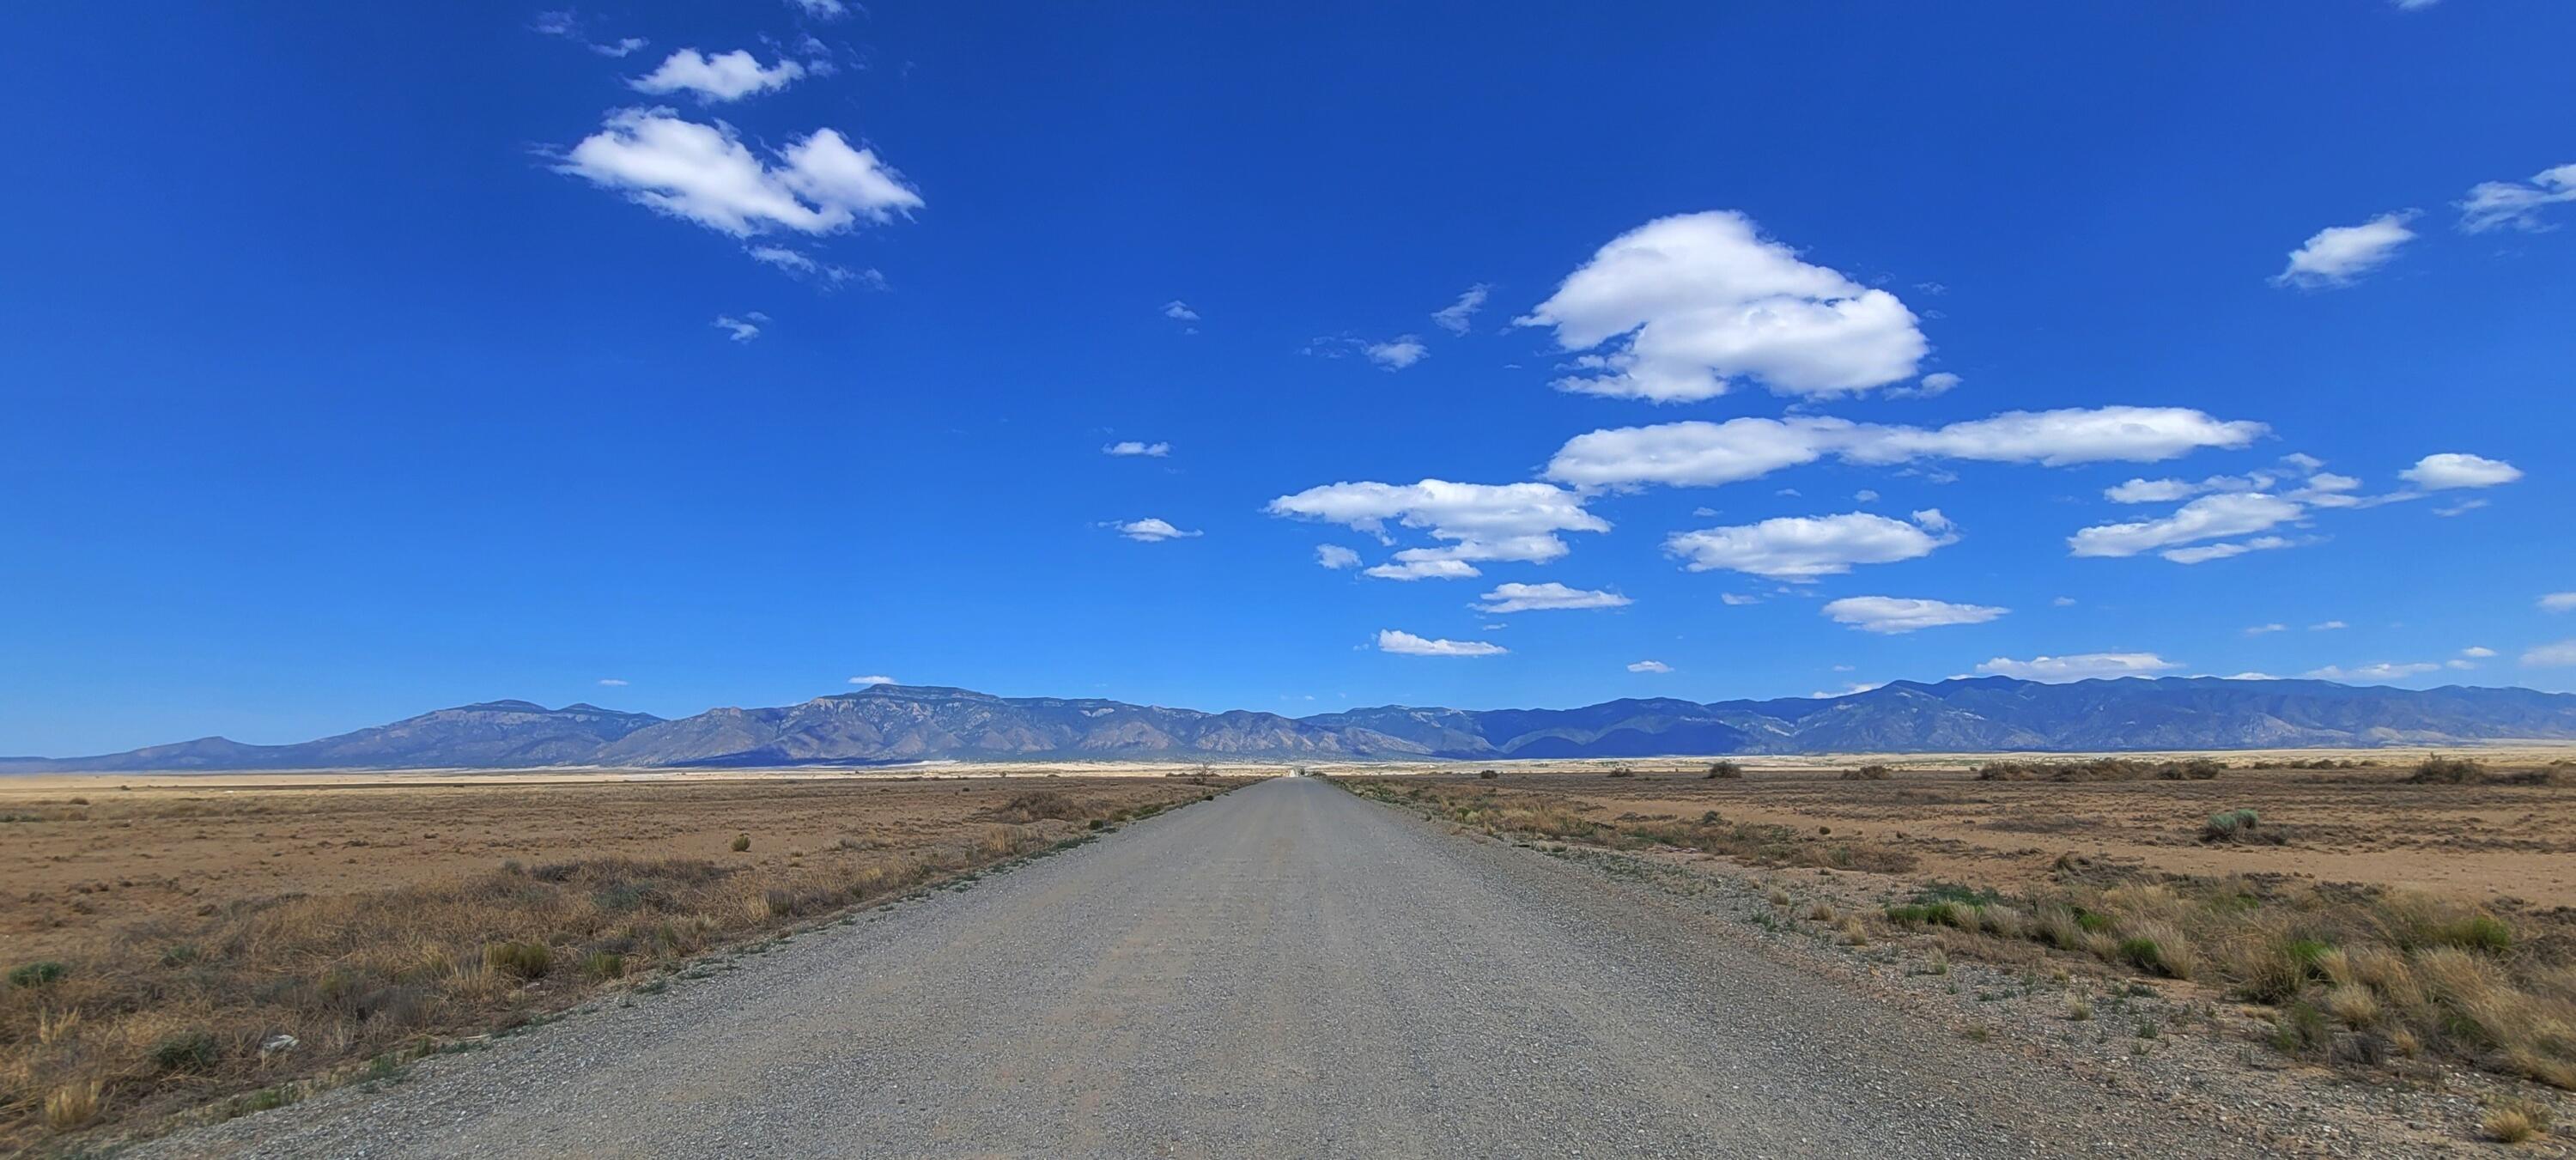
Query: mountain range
x=886, y=724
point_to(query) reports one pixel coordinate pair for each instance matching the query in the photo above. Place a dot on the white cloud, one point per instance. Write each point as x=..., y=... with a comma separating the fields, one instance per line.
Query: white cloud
x=1151, y=530
x=727, y=76
x=2064, y=602
x=2478, y=652
x=705, y=174
x=1424, y=567
x=800, y=265
x=2558, y=602
x=1650, y=667
x=821, y=9
x=1864, y=495
x=1179, y=310
x=1936, y=383
x=568, y=26
x=2207, y=518
x=1679, y=306
x=1805, y=547
x=2327, y=626
x=2461, y=508
x=612, y=682
x=742, y=329
x=1407, y=644
x=2557, y=655
x=1336, y=556
x=2383, y=671
x=1702, y=453
x=2457, y=469
x=1894, y=614
x=1551, y=595
x=1397, y=353
x=2250, y=676
x=877, y=680
x=2204, y=553
x=2261, y=629
x=1459, y=315
x=2337, y=255
x=2079, y=667
x=1477, y=522
x=1127, y=447
x=1737, y=599
x=2499, y=204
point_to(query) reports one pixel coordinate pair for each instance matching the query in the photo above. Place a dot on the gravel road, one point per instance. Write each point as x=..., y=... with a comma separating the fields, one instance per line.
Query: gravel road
x=1285, y=971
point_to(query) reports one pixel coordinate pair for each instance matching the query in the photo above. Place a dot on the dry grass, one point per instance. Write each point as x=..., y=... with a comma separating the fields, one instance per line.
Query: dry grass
x=2102, y=769
x=2373, y=970
x=1564, y=819
x=136, y=1015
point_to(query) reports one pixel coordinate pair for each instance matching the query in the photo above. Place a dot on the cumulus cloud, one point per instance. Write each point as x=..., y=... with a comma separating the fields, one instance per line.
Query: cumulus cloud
x=2207, y=518
x=1336, y=556
x=2383, y=671
x=2337, y=255
x=2078, y=667
x=1397, y=353
x=2558, y=602
x=1697, y=453
x=1476, y=522
x=2551, y=656
x=2494, y=205
x=880, y=680
x=729, y=76
x=1151, y=530
x=2477, y=652
x=1179, y=311
x=1936, y=383
x=1551, y=595
x=1459, y=315
x=1127, y=447
x=2451, y=469
x=1675, y=309
x=568, y=25
x=743, y=329
x=1650, y=667
x=705, y=174
x=821, y=9
x=1407, y=644
x=1894, y=614
x=1805, y=547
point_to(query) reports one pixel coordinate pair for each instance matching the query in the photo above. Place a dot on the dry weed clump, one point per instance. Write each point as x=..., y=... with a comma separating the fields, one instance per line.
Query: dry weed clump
x=2354, y=975
x=161, y=1014
x=2102, y=769
x=1563, y=819
x=1870, y=772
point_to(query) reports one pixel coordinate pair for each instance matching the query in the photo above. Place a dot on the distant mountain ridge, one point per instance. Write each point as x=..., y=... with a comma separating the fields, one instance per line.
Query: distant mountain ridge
x=886, y=724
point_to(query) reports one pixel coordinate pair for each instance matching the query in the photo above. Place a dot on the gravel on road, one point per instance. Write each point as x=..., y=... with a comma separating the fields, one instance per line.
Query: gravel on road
x=1284, y=971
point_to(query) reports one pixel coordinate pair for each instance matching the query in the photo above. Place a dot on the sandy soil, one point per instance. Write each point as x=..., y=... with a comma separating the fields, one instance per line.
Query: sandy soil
x=2497, y=842
x=87, y=852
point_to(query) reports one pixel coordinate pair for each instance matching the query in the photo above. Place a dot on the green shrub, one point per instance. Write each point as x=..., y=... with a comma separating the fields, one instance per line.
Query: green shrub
x=193, y=1051
x=519, y=960
x=35, y=974
x=603, y=964
x=1725, y=770
x=1871, y=772
x=741, y=842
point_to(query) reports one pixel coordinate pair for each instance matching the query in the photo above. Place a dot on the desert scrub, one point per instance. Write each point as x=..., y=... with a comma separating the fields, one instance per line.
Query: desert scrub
x=1534, y=814
x=135, y=1020
x=2101, y=769
x=1725, y=771
x=1871, y=772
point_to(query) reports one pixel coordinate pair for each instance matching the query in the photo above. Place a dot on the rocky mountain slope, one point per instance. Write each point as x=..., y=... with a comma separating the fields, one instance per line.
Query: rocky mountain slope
x=897, y=723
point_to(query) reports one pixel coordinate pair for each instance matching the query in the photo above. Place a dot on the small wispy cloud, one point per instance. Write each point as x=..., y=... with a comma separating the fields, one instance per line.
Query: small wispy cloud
x=1459, y=315
x=743, y=329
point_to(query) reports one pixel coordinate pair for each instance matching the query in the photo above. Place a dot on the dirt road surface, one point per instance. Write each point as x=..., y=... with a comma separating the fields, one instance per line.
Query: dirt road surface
x=1285, y=971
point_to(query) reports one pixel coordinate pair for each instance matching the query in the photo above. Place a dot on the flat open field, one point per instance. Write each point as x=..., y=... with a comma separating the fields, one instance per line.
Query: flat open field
x=158, y=931
x=2492, y=841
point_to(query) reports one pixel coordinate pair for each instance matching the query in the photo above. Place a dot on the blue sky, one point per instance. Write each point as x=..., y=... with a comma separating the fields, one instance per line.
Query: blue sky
x=372, y=358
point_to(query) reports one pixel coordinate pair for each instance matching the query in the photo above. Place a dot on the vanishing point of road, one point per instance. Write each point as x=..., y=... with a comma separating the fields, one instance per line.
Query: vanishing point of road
x=1285, y=971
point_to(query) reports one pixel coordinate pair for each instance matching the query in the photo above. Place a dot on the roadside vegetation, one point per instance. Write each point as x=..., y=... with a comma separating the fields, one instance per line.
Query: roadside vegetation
x=2358, y=975
x=245, y=1002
